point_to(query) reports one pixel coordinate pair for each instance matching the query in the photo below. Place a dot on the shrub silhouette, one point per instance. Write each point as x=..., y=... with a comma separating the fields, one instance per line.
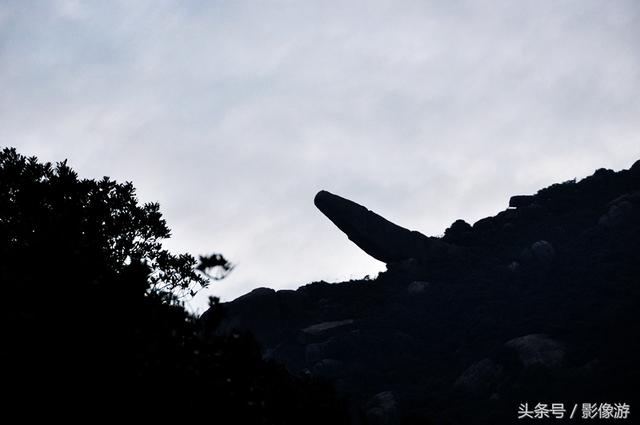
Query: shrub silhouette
x=94, y=319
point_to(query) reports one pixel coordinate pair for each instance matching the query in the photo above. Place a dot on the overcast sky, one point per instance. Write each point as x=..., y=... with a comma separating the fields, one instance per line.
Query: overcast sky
x=233, y=114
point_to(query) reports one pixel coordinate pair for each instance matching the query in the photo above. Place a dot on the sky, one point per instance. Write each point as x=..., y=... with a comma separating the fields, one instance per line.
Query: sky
x=234, y=114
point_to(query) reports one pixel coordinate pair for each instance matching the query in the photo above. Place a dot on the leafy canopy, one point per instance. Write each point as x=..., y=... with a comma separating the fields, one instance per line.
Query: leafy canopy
x=48, y=207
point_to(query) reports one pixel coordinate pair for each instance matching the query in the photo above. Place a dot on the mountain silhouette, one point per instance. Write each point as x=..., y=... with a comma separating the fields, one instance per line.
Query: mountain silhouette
x=535, y=305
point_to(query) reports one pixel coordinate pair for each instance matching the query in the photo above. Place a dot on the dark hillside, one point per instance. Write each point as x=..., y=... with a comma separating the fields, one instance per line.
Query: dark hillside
x=538, y=304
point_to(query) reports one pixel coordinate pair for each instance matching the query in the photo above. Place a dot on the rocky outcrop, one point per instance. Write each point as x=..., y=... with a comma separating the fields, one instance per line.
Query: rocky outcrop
x=375, y=235
x=459, y=231
x=519, y=201
x=532, y=304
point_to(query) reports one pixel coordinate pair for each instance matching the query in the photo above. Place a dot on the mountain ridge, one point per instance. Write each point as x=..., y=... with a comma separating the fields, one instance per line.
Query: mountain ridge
x=533, y=303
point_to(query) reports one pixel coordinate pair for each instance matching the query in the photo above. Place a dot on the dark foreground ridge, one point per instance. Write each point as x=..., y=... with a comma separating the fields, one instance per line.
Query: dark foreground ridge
x=535, y=305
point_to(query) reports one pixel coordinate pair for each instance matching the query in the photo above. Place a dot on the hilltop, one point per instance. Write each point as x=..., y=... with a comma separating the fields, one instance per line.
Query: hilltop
x=537, y=304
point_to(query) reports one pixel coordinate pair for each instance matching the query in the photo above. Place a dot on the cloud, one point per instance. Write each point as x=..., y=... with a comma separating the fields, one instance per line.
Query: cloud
x=233, y=114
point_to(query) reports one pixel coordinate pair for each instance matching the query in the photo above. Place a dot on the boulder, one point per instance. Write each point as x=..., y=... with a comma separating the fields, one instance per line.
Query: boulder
x=543, y=252
x=258, y=310
x=538, y=350
x=481, y=375
x=540, y=253
x=621, y=210
x=458, y=229
x=615, y=215
x=382, y=409
x=486, y=224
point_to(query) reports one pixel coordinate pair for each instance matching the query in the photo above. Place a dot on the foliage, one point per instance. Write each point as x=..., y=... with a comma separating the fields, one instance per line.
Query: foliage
x=47, y=205
x=215, y=266
x=93, y=316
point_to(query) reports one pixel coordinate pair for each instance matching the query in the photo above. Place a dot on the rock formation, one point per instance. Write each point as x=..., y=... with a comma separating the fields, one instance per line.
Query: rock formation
x=540, y=307
x=375, y=235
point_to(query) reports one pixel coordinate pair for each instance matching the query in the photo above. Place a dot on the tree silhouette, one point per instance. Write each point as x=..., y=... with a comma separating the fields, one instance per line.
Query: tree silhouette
x=93, y=316
x=214, y=266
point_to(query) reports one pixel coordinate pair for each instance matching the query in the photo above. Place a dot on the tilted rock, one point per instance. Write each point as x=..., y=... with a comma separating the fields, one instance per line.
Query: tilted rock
x=375, y=235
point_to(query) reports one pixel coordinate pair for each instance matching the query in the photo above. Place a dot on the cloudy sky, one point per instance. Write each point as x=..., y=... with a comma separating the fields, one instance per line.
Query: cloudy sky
x=233, y=114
